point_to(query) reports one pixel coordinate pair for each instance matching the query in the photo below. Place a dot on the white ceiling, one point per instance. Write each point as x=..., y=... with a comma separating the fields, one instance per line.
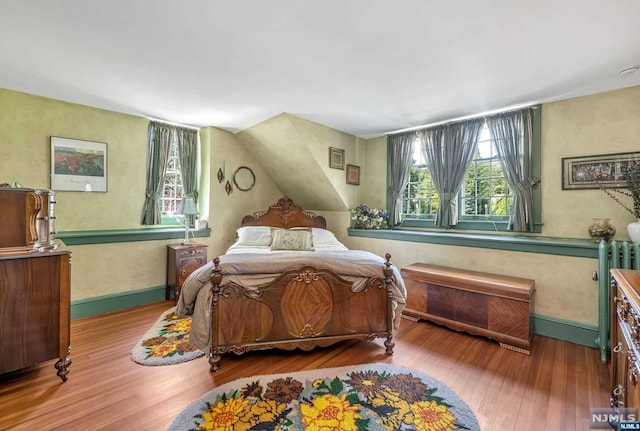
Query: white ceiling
x=365, y=67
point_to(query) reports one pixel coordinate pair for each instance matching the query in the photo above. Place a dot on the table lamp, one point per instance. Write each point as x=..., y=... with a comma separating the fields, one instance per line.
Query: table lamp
x=187, y=208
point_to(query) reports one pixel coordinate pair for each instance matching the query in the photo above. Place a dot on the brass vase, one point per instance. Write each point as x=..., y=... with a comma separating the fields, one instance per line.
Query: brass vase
x=600, y=229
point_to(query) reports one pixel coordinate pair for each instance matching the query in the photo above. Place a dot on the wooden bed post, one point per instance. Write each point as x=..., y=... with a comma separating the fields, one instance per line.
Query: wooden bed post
x=388, y=285
x=216, y=279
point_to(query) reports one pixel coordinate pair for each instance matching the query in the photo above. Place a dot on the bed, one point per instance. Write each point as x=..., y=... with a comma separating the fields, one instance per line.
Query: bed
x=288, y=283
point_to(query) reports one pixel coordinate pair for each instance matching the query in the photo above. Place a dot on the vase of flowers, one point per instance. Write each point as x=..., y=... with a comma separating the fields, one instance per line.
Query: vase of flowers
x=365, y=217
x=632, y=179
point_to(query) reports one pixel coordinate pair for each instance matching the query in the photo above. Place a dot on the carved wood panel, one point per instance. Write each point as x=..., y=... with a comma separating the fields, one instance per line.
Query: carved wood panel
x=306, y=307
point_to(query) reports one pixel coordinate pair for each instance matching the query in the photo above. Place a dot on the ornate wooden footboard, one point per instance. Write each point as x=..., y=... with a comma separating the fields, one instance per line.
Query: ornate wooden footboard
x=302, y=308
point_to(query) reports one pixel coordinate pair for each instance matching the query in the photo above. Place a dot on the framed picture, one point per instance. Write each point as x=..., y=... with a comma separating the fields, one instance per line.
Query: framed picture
x=78, y=166
x=353, y=174
x=595, y=172
x=336, y=158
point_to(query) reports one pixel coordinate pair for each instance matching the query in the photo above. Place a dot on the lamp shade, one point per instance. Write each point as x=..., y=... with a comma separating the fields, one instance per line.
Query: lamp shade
x=187, y=206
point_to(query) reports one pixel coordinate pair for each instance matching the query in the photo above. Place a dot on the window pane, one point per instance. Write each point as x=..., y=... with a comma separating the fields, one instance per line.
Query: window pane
x=485, y=191
x=172, y=192
x=420, y=198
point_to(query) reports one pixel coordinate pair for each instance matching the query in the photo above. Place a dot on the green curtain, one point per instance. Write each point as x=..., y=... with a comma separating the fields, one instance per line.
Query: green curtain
x=400, y=149
x=448, y=150
x=188, y=155
x=159, y=144
x=511, y=133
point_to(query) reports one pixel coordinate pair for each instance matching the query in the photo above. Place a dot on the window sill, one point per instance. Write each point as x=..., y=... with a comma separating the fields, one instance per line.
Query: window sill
x=492, y=226
x=85, y=237
x=530, y=244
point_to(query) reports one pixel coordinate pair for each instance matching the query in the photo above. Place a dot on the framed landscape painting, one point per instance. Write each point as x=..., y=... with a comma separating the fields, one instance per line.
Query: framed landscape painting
x=78, y=166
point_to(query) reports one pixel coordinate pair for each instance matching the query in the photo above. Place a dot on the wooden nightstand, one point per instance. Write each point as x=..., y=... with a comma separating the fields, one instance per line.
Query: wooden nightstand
x=182, y=260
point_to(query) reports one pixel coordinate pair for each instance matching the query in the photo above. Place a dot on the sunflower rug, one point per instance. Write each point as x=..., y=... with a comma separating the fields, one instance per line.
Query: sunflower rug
x=167, y=342
x=358, y=398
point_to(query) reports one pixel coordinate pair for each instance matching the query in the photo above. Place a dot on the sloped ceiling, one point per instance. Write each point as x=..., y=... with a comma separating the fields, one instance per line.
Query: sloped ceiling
x=294, y=153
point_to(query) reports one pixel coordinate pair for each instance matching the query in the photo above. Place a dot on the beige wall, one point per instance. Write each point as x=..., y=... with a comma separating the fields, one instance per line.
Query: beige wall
x=604, y=123
x=226, y=211
x=26, y=124
x=295, y=154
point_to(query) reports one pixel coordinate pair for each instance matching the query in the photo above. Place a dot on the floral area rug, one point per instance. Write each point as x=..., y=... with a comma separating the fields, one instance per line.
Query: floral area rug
x=359, y=397
x=167, y=342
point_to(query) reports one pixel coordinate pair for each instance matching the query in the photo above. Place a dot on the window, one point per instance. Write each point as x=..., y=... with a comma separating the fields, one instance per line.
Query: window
x=485, y=192
x=485, y=199
x=172, y=169
x=420, y=199
x=172, y=188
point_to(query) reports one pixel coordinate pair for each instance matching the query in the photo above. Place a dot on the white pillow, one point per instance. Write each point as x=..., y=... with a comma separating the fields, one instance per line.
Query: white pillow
x=254, y=236
x=324, y=238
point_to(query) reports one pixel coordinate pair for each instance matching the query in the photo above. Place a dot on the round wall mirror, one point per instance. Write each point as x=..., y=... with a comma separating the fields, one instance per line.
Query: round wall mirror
x=244, y=179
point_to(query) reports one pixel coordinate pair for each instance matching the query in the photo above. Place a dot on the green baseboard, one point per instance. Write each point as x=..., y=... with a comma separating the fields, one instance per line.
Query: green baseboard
x=566, y=330
x=116, y=301
x=547, y=326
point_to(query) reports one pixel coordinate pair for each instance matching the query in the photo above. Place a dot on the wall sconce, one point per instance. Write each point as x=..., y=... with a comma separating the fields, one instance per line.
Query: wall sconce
x=228, y=187
x=221, y=173
x=186, y=209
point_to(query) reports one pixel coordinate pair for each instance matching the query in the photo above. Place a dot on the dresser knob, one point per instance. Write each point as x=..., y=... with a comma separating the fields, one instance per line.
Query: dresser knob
x=618, y=348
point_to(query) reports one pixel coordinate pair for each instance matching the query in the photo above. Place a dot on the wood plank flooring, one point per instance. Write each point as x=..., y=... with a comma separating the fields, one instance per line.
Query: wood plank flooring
x=553, y=389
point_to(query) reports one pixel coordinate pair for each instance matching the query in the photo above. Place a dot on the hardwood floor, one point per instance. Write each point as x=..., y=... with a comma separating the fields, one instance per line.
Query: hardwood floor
x=553, y=389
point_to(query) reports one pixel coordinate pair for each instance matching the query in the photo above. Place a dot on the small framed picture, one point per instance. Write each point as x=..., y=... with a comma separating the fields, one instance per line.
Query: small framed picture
x=78, y=166
x=353, y=174
x=336, y=158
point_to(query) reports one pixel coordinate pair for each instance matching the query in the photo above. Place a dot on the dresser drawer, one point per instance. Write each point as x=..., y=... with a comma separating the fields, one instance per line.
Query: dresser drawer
x=192, y=252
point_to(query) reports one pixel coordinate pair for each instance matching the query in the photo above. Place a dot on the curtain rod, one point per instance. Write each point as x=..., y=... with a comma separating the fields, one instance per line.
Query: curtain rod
x=155, y=120
x=460, y=119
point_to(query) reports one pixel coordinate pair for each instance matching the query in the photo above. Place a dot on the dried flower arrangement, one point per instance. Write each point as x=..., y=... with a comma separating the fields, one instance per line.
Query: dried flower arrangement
x=632, y=180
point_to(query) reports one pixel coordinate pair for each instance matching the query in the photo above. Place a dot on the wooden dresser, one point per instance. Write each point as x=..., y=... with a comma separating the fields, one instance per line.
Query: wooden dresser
x=625, y=338
x=34, y=310
x=35, y=283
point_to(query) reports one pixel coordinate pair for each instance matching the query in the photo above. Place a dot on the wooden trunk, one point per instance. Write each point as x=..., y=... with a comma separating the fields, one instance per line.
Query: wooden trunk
x=495, y=306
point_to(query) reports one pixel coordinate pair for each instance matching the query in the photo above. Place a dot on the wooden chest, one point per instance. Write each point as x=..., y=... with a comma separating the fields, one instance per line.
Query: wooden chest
x=491, y=305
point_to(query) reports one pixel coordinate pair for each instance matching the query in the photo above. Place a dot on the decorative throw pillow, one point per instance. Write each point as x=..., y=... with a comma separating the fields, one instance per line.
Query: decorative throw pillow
x=295, y=239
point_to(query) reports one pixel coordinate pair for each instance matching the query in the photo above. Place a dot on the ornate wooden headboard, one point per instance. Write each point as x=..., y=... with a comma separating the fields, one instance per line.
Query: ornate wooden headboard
x=285, y=214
